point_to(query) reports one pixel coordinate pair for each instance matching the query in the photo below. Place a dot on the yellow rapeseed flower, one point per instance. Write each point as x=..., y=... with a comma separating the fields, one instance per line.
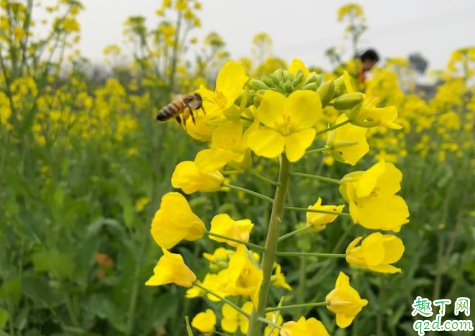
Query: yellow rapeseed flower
x=347, y=143
x=304, y=327
x=319, y=221
x=372, y=199
x=344, y=301
x=366, y=114
x=229, y=84
x=205, y=322
x=376, y=252
x=228, y=144
x=289, y=124
x=278, y=279
x=224, y=225
x=232, y=319
x=275, y=317
x=215, y=282
x=175, y=221
x=188, y=178
x=171, y=269
x=297, y=65
x=244, y=276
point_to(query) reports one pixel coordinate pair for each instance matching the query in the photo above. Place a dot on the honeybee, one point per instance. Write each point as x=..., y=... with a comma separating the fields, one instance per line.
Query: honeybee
x=182, y=108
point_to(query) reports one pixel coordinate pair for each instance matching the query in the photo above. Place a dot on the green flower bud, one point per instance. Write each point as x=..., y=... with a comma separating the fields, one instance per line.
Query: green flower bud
x=256, y=84
x=310, y=86
x=267, y=81
x=326, y=91
x=257, y=98
x=289, y=87
x=298, y=79
x=288, y=76
x=348, y=101
x=278, y=76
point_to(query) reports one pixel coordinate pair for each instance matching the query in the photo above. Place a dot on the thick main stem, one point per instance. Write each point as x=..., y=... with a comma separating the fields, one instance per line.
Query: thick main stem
x=271, y=246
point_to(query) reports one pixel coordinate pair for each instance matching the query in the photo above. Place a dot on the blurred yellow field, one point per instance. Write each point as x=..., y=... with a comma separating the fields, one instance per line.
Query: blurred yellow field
x=176, y=190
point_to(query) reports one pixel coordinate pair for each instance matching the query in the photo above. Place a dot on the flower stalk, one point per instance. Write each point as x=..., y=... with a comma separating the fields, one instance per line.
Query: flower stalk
x=317, y=177
x=250, y=192
x=272, y=239
x=239, y=241
x=310, y=254
x=297, y=306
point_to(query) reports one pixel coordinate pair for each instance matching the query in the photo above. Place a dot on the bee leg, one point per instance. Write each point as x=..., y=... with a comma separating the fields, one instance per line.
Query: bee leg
x=183, y=123
x=203, y=110
x=178, y=120
x=192, y=116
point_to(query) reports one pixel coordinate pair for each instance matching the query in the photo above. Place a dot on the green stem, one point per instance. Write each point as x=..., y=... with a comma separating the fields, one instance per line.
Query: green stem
x=336, y=146
x=263, y=178
x=250, y=192
x=311, y=254
x=269, y=254
x=271, y=323
x=239, y=241
x=188, y=326
x=331, y=128
x=297, y=306
x=290, y=234
x=317, y=177
x=239, y=309
x=317, y=210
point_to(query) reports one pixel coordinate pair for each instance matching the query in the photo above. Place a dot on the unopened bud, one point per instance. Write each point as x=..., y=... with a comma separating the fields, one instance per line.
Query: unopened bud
x=267, y=81
x=326, y=92
x=310, y=86
x=288, y=76
x=298, y=78
x=256, y=84
x=278, y=76
x=289, y=87
x=348, y=101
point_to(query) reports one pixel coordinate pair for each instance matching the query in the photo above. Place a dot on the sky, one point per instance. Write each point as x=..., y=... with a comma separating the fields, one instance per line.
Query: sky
x=301, y=28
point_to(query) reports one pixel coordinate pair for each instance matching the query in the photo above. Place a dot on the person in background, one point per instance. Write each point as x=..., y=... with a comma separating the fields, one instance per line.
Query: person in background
x=368, y=60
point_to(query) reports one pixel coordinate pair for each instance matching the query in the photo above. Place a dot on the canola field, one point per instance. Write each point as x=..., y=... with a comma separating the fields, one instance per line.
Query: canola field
x=287, y=200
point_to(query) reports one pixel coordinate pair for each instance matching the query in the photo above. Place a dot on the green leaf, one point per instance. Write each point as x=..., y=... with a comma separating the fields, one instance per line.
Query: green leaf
x=3, y=318
x=11, y=291
x=59, y=264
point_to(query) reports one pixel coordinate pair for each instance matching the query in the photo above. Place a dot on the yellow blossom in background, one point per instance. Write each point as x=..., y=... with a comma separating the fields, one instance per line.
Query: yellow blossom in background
x=215, y=282
x=232, y=319
x=245, y=277
x=304, y=327
x=344, y=301
x=376, y=252
x=171, y=269
x=297, y=65
x=175, y=221
x=289, y=124
x=275, y=317
x=188, y=178
x=224, y=225
x=372, y=199
x=205, y=322
x=347, y=143
x=278, y=279
x=318, y=221
x=141, y=203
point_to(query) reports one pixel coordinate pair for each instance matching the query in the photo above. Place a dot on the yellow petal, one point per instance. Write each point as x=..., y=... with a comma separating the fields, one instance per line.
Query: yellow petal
x=211, y=160
x=266, y=142
x=271, y=108
x=304, y=108
x=343, y=321
x=296, y=143
x=373, y=249
x=394, y=249
x=230, y=81
x=297, y=65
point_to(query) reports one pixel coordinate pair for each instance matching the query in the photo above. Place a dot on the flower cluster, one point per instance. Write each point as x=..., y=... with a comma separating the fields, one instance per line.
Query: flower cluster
x=280, y=116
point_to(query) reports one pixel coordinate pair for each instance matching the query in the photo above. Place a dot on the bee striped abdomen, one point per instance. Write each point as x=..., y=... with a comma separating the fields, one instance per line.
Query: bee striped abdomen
x=170, y=111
